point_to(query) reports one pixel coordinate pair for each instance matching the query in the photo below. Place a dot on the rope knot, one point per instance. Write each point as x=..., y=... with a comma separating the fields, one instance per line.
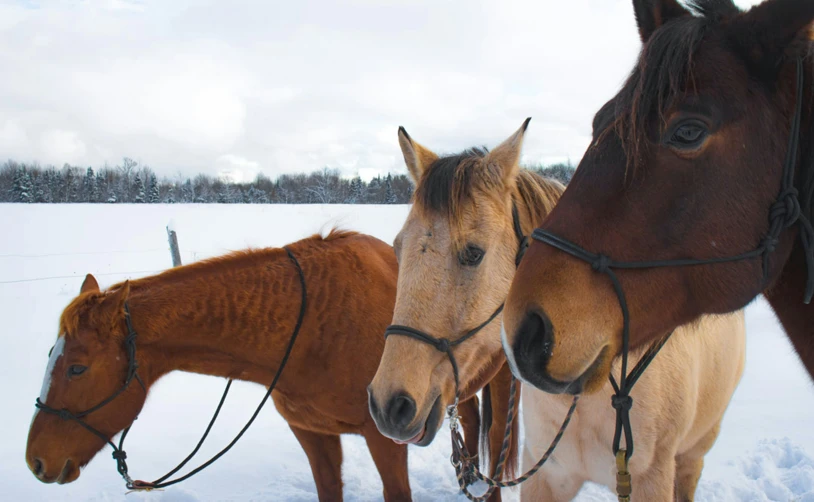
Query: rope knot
x=787, y=207
x=442, y=345
x=769, y=244
x=622, y=402
x=601, y=263
x=119, y=455
x=64, y=414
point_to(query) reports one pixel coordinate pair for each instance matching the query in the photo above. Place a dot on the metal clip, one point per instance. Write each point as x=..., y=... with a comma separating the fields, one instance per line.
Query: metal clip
x=623, y=480
x=452, y=414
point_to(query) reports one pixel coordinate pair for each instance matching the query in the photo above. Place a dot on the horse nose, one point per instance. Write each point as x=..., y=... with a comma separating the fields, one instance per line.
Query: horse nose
x=37, y=467
x=371, y=404
x=533, y=343
x=401, y=410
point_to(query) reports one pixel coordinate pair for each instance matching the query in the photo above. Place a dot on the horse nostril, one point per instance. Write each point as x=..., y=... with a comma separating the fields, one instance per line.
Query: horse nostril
x=37, y=467
x=401, y=410
x=534, y=342
x=371, y=403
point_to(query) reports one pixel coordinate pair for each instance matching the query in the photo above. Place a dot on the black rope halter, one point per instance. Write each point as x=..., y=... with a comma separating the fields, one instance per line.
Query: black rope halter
x=784, y=213
x=132, y=366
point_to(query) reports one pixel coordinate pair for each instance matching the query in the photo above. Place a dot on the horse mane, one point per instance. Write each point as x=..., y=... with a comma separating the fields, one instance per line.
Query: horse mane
x=452, y=182
x=241, y=258
x=83, y=304
x=663, y=72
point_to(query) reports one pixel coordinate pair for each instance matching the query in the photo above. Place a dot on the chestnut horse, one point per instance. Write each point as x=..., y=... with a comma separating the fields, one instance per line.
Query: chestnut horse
x=694, y=197
x=457, y=256
x=232, y=316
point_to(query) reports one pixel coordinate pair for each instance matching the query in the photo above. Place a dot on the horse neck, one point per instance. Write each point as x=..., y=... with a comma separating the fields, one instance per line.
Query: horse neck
x=797, y=318
x=786, y=296
x=230, y=319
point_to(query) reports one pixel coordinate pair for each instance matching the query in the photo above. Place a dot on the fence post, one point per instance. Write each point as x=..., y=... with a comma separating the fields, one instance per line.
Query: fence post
x=173, y=238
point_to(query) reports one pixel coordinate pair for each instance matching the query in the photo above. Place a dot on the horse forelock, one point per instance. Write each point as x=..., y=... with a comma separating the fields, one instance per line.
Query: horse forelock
x=71, y=317
x=454, y=183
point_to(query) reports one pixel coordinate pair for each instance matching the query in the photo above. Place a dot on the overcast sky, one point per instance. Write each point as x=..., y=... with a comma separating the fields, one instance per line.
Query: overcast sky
x=275, y=86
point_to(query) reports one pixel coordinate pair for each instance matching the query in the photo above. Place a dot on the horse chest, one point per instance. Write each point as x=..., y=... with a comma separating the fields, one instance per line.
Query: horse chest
x=583, y=454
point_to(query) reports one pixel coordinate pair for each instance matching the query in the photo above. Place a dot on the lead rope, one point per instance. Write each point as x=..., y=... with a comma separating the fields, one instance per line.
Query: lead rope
x=783, y=214
x=466, y=466
x=130, y=346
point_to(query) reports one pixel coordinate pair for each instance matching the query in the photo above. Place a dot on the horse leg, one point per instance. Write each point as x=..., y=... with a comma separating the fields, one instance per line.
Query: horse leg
x=690, y=464
x=469, y=412
x=658, y=483
x=325, y=456
x=391, y=462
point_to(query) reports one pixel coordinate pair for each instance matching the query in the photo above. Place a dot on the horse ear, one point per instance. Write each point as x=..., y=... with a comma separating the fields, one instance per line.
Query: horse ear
x=114, y=301
x=417, y=158
x=506, y=156
x=767, y=32
x=89, y=285
x=653, y=14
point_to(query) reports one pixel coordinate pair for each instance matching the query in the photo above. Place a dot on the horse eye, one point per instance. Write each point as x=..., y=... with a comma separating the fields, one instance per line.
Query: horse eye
x=688, y=135
x=76, y=370
x=471, y=256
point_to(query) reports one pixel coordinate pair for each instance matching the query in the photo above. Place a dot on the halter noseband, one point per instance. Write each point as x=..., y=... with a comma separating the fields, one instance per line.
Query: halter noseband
x=444, y=345
x=784, y=213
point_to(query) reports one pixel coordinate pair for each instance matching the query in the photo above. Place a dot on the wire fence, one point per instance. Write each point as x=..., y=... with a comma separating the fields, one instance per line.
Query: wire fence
x=193, y=253
x=36, y=279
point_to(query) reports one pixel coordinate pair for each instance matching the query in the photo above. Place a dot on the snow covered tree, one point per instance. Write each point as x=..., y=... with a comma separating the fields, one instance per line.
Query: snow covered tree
x=153, y=194
x=111, y=198
x=138, y=189
x=41, y=192
x=256, y=196
x=357, y=191
x=187, y=191
x=89, y=188
x=21, y=188
x=170, y=197
x=99, y=187
x=389, y=194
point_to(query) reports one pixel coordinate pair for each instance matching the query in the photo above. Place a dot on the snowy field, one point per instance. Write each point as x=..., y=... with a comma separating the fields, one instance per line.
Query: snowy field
x=763, y=452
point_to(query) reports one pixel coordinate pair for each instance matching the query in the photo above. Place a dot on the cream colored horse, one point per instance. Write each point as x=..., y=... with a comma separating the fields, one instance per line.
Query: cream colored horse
x=456, y=261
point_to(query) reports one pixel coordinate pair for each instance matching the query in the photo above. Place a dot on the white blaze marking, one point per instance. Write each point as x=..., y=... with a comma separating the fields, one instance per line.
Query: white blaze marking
x=56, y=353
x=507, y=349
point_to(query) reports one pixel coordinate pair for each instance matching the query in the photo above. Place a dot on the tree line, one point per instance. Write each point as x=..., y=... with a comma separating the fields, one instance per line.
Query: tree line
x=131, y=182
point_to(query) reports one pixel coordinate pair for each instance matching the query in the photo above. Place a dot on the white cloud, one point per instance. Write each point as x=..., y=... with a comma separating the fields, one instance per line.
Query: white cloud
x=243, y=87
x=60, y=146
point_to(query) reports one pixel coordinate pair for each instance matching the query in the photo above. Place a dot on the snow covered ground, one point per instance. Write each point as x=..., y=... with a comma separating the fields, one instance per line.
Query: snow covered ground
x=763, y=453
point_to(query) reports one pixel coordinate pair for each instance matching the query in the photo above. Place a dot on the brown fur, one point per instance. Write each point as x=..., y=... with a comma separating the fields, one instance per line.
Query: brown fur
x=232, y=316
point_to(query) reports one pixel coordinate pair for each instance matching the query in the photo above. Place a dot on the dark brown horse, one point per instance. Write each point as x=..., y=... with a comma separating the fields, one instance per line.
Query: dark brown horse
x=687, y=162
x=232, y=317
